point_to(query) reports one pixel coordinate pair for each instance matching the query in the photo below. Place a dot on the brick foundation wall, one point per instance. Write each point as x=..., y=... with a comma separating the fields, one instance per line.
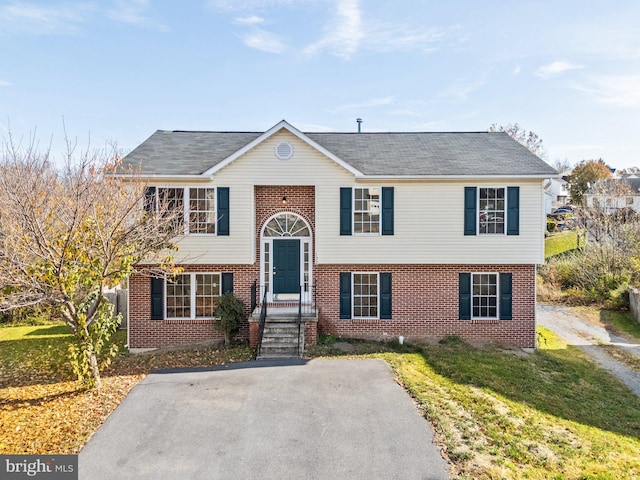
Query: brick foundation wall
x=425, y=304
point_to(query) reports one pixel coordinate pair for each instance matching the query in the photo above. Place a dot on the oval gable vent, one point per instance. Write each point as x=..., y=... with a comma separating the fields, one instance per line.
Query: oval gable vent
x=284, y=150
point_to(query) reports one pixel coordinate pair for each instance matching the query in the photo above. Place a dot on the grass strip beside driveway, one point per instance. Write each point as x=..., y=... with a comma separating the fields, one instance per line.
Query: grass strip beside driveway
x=510, y=415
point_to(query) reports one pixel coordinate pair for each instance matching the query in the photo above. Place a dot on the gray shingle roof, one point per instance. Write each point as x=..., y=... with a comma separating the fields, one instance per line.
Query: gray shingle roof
x=419, y=153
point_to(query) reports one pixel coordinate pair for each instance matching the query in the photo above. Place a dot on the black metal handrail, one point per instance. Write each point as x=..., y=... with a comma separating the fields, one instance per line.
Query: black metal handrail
x=263, y=318
x=254, y=295
x=299, y=320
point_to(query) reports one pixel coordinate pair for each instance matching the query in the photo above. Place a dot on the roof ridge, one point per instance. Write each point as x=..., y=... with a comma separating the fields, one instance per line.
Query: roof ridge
x=336, y=133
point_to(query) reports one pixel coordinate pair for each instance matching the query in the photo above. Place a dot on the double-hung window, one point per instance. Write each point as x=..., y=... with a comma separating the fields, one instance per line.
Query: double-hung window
x=484, y=295
x=366, y=210
x=365, y=295
x=193, y=295
x=202, y=210
x=492, y=210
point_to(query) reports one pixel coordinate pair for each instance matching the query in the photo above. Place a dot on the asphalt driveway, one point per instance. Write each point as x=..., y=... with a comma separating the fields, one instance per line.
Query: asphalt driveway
x=322, y=419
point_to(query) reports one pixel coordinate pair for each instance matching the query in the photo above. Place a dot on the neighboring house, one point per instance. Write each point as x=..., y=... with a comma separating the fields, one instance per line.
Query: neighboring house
x=615, y=193
x=556, y=194
x=387, y=234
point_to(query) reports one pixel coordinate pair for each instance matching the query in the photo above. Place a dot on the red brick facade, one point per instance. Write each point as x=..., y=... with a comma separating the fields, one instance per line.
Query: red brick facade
x=147, y=333
x=425, y=304
x=424, y=297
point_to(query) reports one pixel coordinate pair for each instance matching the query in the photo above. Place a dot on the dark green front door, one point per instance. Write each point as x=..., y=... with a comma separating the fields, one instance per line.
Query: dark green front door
x=286, y=266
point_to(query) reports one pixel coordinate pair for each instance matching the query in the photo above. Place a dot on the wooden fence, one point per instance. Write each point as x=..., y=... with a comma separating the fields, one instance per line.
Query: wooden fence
x=119, y=298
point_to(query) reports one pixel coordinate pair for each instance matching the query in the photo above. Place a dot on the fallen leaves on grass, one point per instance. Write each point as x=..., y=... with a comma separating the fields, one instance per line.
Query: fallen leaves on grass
x=59, y=417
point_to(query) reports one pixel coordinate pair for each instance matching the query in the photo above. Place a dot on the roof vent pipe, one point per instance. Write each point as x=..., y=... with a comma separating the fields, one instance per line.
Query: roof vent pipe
x=359, y=120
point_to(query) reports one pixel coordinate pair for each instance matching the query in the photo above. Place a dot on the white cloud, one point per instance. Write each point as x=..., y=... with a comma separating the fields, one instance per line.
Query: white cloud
x=370, y=103
x=406, y=112
x=516, y=70
x=5, y=84
x=248, y=5
x=343, y=34
x=40, y=20
x=251, y=20
x=69, y=18
x=616, y=90
x=387, y=37
x=263, y=40
x=133, y=12
x=461, y=89
x=555, y=68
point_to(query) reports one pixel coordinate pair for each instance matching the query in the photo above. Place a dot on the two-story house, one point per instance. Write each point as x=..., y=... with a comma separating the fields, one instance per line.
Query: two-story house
x=385, y=234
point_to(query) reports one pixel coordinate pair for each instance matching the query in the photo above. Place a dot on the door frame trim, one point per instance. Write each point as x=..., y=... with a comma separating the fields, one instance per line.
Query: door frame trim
x=306, y=247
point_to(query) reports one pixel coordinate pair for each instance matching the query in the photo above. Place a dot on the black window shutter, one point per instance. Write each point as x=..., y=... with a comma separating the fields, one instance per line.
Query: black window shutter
x=150, y=199
x=345, y=210
x=506, y=297
x=227, y=283
x=385, y=296
x=345, y=295
x=513, y=210
x=223, y=211
x=387, y=210
x=464, y=296
x=470, y=216
x=157, y=298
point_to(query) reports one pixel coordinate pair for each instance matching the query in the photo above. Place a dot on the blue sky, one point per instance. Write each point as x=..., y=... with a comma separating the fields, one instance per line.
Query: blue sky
x=117, y=70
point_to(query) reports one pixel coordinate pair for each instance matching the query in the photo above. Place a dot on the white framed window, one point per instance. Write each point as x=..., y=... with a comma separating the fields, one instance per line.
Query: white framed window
x=202, y=210
x=484, y=296
x=197, y=204
x=365, y=296
x=491, y=210
x=366, y=210
x=192, y=295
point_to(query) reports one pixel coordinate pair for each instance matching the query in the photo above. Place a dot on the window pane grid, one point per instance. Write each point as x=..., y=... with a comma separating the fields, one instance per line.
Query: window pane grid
x=192, y=295
x=365, y=295
x=366, y=210
x=207, y=293
x=286, y=225
x=267, y=265
x=179, y=296
x=170, y=202
x=485, y=295
x=491, y=207
x=202, y=213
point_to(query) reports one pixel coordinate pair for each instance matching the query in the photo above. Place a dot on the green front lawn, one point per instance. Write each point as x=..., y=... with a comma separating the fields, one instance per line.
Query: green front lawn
x=502, y=414
x=497, y=413
x=560, y=242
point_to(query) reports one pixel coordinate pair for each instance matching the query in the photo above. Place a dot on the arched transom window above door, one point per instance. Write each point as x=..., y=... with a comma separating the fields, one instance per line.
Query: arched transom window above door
x=286, y=225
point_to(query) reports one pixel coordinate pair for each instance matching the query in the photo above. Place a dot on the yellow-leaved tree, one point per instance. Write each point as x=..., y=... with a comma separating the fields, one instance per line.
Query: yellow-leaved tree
x=68, y=233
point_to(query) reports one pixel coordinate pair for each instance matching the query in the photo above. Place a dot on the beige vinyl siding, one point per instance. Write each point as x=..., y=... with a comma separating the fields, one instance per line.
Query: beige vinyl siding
x=428, y=225
x=429, y=219
x=259, y=166
x=211, y=249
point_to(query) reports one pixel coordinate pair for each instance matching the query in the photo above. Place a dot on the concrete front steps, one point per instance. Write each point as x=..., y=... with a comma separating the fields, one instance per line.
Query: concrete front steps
x=280, y=338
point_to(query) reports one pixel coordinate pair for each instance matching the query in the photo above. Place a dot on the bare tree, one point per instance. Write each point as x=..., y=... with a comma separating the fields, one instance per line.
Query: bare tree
x=613, y=238
x=68, y=234
x=529, y=139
